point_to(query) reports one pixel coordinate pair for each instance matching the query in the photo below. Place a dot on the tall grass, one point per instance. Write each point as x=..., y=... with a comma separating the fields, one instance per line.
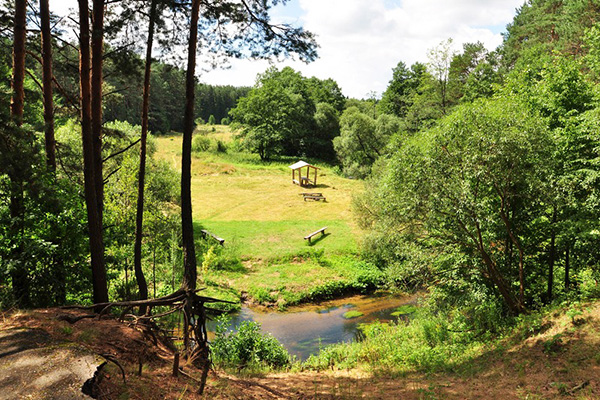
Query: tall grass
x=424, y=343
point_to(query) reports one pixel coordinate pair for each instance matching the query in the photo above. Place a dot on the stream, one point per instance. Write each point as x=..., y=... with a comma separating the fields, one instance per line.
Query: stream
x=305, y=329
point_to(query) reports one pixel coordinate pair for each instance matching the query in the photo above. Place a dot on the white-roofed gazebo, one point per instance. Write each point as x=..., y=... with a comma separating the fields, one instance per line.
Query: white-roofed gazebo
x=303, y=180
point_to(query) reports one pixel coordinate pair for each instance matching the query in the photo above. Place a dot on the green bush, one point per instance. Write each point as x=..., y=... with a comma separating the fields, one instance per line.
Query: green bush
x=248, y=348
x=212, y=120
x=588, y=283
x=225, y=121
x=200, y=143
x=220, y=146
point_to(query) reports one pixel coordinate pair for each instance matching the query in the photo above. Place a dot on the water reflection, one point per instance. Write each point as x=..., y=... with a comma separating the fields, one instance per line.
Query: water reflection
x=304, y=329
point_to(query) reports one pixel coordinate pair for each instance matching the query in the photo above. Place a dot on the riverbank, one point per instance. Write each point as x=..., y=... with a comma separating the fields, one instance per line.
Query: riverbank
x=552, y=357
x=305, y=330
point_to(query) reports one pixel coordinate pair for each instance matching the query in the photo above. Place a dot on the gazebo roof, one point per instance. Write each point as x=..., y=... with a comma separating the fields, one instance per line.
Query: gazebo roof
x=301, y=164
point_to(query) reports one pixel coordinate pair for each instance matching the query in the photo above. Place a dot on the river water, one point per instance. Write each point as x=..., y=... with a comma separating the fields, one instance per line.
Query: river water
x=303, y=330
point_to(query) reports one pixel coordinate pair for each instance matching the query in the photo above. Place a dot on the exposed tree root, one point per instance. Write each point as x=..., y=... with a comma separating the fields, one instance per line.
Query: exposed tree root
x=194, y=315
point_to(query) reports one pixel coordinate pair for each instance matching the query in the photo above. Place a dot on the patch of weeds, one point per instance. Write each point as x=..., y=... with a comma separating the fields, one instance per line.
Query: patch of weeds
x=522, y=369
x=554, y=344
x=261, y=295
x=352, y=314
x=561, y=387
x=66, y=330
x=533, y=324
x=574, y=313
x=87, y=335
x=428, y=393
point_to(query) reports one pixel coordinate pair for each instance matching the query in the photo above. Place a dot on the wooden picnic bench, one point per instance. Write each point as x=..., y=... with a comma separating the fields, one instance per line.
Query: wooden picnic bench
x=309, y=236
x=313, y=196
x=207, y=233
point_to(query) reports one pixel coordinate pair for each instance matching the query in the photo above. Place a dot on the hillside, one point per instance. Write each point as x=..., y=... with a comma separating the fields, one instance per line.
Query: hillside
x=554, y=358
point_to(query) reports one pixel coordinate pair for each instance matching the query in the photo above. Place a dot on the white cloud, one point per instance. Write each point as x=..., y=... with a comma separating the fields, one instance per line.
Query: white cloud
x=362, y=40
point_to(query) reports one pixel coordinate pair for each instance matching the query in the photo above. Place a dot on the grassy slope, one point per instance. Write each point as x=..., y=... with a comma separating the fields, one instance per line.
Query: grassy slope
x=256, y=208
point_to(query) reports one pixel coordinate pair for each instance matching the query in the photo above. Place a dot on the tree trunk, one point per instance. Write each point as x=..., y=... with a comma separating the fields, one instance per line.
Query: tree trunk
x=47, y=85
x=96, y=90
x=567, y=267
x=515, y=306
x=19, y=275
x=552, y=256
x=189, y=252
x=94, y=224
x=18, y=78
x=139, y=220
x=513, y=237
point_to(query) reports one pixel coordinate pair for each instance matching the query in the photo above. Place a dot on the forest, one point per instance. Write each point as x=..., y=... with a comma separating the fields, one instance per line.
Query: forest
x=470, y=189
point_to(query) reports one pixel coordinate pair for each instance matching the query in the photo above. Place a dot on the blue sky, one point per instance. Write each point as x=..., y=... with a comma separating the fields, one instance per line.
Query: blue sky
x=361, y=41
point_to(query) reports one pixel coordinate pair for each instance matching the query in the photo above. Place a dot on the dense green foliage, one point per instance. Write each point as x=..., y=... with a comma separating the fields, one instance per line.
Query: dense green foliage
x=247, y=347
x=492, y=200
x=287, y=114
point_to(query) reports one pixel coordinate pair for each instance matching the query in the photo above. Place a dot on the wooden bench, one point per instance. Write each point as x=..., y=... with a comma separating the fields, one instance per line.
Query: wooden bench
x=309, y=236
x=317, y=198
x=207, y=233
x=313, y=196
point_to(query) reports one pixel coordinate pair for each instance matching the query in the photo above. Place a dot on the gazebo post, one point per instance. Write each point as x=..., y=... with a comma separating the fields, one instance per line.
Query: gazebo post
x=315, y=177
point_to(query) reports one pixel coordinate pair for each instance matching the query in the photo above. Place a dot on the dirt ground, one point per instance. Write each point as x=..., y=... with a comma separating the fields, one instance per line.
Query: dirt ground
x=42, y=357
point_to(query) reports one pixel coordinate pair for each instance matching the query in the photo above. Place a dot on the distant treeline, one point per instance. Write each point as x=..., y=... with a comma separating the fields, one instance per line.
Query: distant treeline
x=167, y=98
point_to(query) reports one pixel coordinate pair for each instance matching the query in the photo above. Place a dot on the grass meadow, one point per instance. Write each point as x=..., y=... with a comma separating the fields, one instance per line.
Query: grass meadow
x=263, y=218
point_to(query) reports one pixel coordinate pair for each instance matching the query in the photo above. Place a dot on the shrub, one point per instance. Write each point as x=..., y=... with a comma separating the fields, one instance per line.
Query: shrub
x=212, y=120
x=247, y=348
x=225, y=121
x=588, y=283
x=200, y=143
x=220, y=146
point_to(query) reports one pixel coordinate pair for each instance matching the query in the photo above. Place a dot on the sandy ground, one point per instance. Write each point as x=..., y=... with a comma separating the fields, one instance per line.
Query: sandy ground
x=34, y=366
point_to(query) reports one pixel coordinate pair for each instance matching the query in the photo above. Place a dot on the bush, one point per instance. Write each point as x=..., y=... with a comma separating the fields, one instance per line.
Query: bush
x=200, y=143
x=212, y=120
x=225, y=121
x=588, y=283
x=220, y=146
x=248, y=348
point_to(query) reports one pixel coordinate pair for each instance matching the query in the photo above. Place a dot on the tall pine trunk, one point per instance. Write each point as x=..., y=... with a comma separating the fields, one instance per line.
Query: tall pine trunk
x=187, y=226
x=19, y=275
x=99, y=283
x=96, y=90
x=47, y=85
x=18, y=78
x=137, y=253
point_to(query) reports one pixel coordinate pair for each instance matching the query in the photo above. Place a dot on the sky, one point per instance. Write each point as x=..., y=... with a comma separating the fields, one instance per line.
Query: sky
x=361, y=41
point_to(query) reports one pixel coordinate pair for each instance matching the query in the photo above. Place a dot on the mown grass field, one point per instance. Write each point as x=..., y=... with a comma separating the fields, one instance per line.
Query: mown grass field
x=255, y=207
